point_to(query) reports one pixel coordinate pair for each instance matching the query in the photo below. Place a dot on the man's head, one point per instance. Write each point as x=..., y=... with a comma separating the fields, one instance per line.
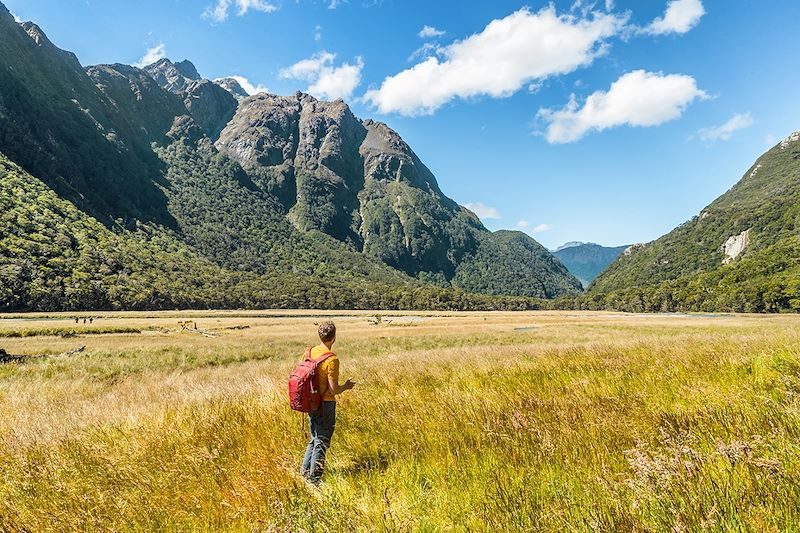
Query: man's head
x=327, y=332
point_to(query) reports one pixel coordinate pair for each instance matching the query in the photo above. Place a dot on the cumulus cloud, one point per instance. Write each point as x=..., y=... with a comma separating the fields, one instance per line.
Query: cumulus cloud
x=679, y=17
x=325, y=79
x=484, y=212
x=638, y=98
x=725, y=131
x=248, y=87
x=428, y=32
x=17, y=19
x=152, y=55
x=220, y=10
x=507, y=55
x=522, y=224
x=541, y=228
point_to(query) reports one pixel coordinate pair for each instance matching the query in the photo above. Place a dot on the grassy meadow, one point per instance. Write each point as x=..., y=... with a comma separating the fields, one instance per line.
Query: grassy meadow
x=540, y=421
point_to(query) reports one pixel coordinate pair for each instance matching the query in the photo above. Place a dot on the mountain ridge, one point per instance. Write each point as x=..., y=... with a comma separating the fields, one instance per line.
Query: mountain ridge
x=586, y=260
x=264, y=184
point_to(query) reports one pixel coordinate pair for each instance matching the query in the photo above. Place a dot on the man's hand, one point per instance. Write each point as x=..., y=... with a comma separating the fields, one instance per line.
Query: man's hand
x=349, y=384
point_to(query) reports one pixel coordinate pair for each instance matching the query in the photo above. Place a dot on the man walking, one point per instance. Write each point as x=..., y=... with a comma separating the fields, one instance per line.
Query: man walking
x=323, y=420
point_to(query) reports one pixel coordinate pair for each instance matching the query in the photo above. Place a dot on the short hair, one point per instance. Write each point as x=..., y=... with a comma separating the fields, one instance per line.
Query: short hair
x=327, y=331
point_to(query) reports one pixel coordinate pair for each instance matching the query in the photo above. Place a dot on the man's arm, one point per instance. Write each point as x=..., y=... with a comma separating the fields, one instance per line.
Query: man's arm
x=333, y=380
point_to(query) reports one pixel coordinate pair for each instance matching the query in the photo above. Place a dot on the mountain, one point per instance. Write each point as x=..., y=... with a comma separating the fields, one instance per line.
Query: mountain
x=570, y=244
x=586, y=260
x=261, y=187
x=742, y=252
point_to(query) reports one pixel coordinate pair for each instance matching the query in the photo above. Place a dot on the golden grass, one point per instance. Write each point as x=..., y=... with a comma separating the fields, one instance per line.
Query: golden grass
x=463, y=422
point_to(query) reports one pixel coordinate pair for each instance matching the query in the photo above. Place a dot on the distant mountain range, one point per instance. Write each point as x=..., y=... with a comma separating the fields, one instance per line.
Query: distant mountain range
x=152, y=188
x=586, y=260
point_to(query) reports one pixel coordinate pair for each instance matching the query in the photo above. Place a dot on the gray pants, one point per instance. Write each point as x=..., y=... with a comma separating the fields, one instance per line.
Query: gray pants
x=321, y=423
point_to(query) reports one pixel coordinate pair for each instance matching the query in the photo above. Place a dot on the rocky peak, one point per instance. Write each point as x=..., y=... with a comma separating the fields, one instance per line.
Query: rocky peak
x=174, y=77
x=387, y=157
x=187, y=69
x=233, y=87
x=210, y=105
x=37, y=34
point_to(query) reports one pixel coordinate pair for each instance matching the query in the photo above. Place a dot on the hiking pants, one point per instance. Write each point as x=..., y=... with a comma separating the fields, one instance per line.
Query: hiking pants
x=321, y=423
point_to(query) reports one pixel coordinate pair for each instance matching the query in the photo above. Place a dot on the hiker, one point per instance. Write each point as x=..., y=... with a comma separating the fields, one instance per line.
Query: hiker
x=323, y=420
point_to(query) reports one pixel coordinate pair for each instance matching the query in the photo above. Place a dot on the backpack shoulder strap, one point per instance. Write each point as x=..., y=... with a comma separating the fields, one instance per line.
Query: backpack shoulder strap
x=307, y=354
x=325, y=356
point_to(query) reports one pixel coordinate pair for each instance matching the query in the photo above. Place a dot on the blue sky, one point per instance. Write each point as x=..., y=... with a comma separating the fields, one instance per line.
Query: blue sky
x=603, y=121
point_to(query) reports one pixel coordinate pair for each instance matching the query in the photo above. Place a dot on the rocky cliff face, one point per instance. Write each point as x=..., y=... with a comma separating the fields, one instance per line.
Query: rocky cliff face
x=209, y=104
x=233, y=87
x=357, y=181
x=174, y=77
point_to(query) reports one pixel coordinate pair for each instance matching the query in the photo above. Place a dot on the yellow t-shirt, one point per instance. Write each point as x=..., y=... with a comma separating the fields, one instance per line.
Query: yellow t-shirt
x=329, y=368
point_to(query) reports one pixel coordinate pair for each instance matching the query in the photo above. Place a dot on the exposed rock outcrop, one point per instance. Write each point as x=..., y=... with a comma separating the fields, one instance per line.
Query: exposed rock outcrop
x=174, y=77
x=735, y=245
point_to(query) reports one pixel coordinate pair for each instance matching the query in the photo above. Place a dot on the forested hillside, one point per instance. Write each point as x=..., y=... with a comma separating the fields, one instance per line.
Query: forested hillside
x=740, y=253
x=53, y=257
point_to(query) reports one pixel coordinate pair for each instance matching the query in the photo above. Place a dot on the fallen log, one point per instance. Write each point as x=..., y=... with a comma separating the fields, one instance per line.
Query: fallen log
x=6, y=358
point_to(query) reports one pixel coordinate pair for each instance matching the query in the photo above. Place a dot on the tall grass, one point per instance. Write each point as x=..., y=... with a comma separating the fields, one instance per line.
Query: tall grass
x=588, y=422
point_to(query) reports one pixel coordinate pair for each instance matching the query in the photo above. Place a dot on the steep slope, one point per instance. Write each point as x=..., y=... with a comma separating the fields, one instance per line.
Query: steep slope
x=55, y=123
x=586, y=260
x=53, y=256
x=747, y=224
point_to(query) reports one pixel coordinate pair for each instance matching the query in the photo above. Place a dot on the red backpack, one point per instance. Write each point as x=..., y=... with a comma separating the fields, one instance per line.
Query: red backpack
x=303, y=393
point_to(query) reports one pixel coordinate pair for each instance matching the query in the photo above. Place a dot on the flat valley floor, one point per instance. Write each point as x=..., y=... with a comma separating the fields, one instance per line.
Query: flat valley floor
x=540, y=421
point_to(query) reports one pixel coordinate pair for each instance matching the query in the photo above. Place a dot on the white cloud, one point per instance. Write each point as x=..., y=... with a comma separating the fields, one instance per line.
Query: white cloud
x=152, y=55
x=484, y=212
x=17, y=19
x=535, y=87
x=428, y=32
x=333, y=4
x=317, y=33
x=522, y=224
x=326, y=80
x=679, y=17
x=220, y=10
x=426, y=50
x=609, y=5
x=248, y=87
x=308, y=69
x=637, y=98
x=541, y=228
x=725, y=131
x=507, y=55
